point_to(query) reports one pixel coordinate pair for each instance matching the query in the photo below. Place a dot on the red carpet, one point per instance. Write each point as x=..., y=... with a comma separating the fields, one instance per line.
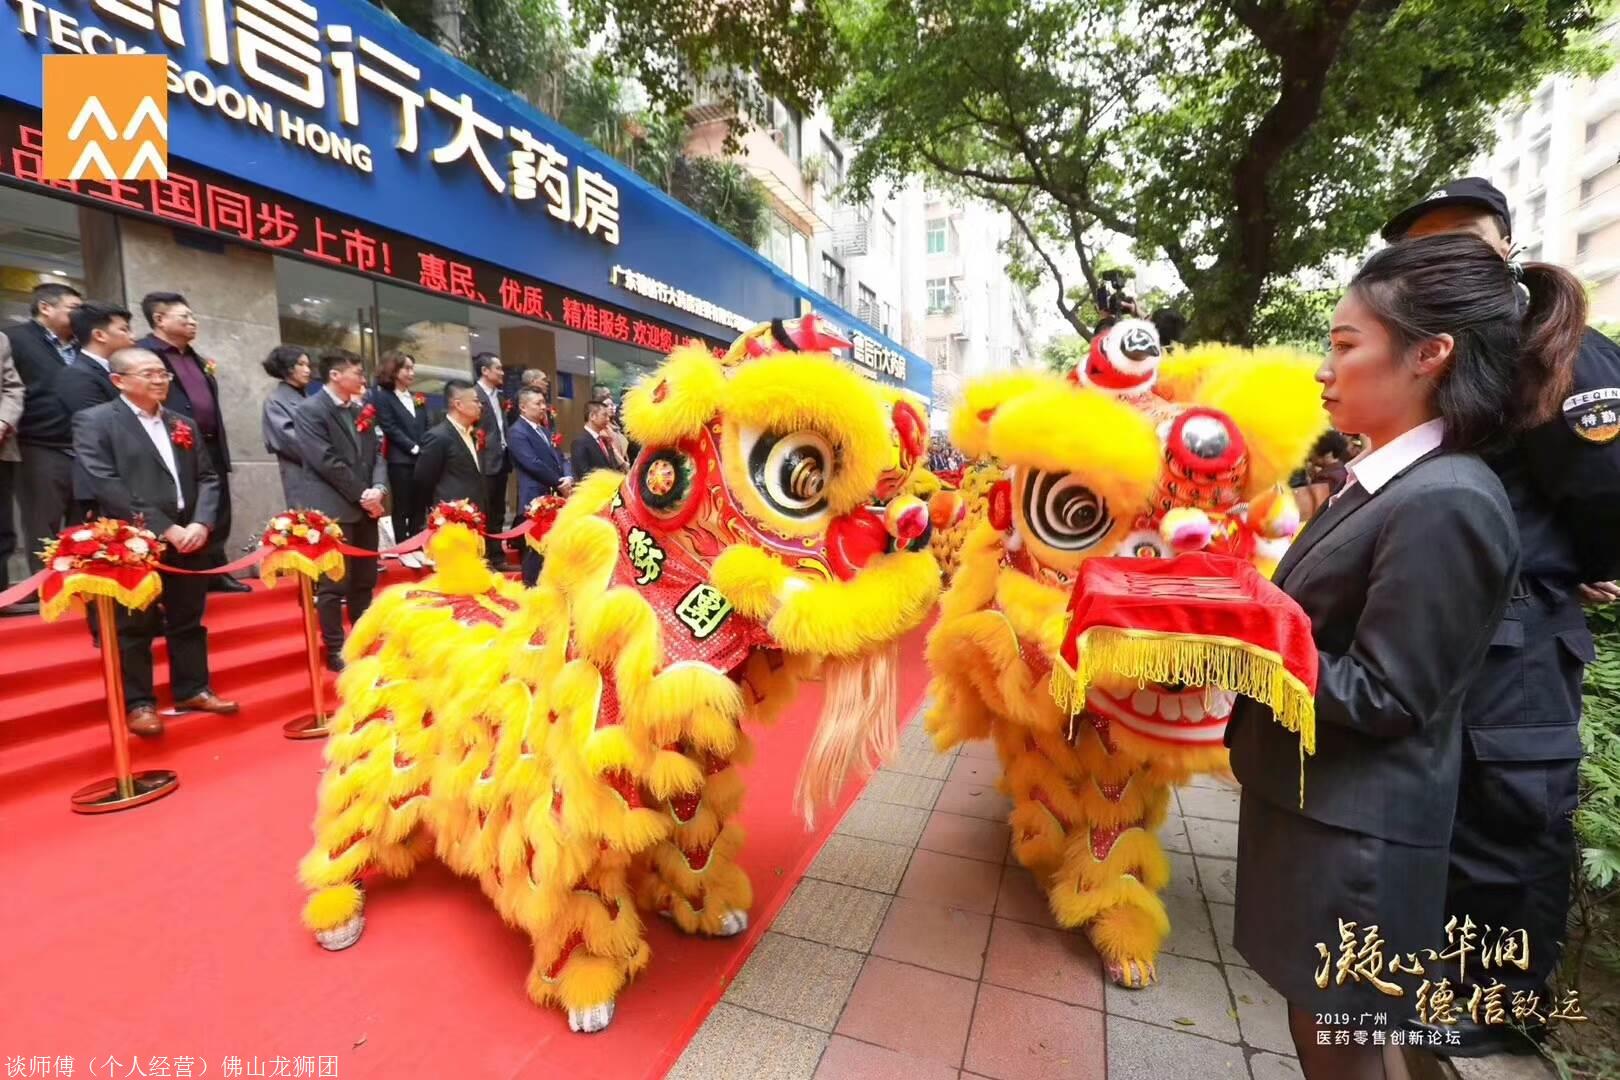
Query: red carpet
x=173, y=929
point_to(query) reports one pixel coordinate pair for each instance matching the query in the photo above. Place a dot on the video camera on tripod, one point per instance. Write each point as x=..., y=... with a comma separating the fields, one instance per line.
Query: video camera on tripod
x=1113, y=300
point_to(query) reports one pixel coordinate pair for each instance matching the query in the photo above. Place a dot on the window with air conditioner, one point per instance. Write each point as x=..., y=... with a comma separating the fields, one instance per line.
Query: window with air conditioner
x=785, y=129
x=939, y=296
x=888, y=320
x=1582, y=243
x=832, y=280
x=1538, y=212
x=938, y=236
x=867, y=308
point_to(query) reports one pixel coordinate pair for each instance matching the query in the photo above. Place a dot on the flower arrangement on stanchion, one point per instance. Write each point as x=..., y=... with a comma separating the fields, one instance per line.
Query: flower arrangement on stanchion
x=107, y=558
x=301, y=542
x=460, y=512
x=541, y=514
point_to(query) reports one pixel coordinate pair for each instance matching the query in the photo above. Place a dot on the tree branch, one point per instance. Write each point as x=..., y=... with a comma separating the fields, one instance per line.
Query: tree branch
x=1070, y=312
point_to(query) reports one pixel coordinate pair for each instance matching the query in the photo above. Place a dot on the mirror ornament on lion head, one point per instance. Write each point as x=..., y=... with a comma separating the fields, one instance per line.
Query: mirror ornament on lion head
x=576, y=746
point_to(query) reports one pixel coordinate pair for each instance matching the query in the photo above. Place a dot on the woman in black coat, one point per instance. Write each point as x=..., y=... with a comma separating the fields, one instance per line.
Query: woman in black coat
x=1404, y=575
x=403, y=416
x=289, y=365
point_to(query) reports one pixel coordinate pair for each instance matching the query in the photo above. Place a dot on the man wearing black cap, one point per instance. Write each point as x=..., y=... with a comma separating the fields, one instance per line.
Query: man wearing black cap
x=1513, y=843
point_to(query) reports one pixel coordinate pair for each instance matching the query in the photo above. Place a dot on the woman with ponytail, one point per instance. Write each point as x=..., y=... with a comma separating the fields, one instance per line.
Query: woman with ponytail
x=1558, y=457
x=1404, y=575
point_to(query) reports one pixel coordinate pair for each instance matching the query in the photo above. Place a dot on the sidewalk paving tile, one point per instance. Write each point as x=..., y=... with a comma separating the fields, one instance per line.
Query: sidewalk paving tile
x=933, y=936
x=1220, y=804
x=1214, y=838
x=1021, y=1037
x=1138, y=1051
x=974, y=771
x=1218, y=877
x=866, y=864
x=1173, y=835
x=847, y=1059
x=1020, y=898
x=797, y=980
x=1190, y=932
x=1222, y=916
x=1212, y=783
x=1190, y=996
x=969, y=837
x=1274, y=1067
x=735, y=1044
x=1262, y=1012
x=885, y=822
x=1183, y=876
x=974, y=800
x=952, y=881
x=982, y=749
x=1050, y=963
x=921, y=762
x=910, y=1009
x=904, y=789
x=833, y=914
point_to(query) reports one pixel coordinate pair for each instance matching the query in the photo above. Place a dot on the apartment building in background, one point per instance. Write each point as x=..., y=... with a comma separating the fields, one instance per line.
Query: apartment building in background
x=1558, y=161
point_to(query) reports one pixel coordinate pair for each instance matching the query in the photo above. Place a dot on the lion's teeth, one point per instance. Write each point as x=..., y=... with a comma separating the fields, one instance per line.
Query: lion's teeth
x=1145, y=702
x=1170, y=707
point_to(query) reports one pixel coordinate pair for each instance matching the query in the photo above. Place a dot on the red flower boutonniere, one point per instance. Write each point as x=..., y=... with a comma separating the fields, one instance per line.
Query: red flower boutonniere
x=556, y=439
x=508, y=406
x=382, y=446
x=181, y=435
x=420, y=399
x=209, y=368
x=367, y=417
x=480, y=439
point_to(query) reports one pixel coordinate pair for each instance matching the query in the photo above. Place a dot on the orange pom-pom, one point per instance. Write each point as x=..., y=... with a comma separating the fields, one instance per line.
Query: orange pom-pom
x=946, y=508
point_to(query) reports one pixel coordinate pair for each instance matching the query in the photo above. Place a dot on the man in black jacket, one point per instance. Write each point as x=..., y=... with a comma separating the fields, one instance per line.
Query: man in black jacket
x=145, y=462
x=41, y=348
x=1513, y=843
x=593, y=448
x=194, y=394
x=100, y=331
x=344, y=477
x=447, y=469
x=492, y=454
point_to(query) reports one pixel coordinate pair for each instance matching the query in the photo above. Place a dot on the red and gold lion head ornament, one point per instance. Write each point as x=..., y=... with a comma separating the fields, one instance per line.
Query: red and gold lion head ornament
x=1141, y=455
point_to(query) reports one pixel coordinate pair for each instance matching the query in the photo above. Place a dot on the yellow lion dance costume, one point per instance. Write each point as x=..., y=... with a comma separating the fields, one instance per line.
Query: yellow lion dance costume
x=575, y=747
x=1107, y=463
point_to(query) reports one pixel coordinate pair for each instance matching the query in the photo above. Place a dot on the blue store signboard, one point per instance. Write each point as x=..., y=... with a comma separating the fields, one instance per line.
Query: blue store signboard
x=343, y=108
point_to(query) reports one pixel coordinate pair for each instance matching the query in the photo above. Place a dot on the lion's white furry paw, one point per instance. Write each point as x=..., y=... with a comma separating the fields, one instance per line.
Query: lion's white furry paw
x=591, y=1020
x=341, y=937
x=732, y=924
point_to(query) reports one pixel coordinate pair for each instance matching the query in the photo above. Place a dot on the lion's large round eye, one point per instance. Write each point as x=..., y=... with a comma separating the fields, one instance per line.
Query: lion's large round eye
x=792, y=472
x=1063, y=513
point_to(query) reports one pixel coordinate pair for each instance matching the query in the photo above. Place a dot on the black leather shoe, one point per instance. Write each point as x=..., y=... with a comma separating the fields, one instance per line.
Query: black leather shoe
x=227, y=584
x=334, y=661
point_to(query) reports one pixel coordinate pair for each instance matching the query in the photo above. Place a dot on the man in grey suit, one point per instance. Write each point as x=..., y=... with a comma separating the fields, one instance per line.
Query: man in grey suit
x=147, y=463
x=345, y=477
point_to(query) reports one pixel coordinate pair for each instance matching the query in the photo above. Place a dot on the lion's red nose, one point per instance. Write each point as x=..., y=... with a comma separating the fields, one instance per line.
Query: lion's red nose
x=853, y=540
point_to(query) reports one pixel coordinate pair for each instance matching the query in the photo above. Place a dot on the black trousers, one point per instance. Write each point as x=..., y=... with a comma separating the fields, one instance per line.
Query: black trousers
x=495, y=511
x=8, y=520
x=354, y=591
x=178, y=616
x=1513, y=841
x=402, y=495
x=45, y=499
x=222, y=528
x=531, y=565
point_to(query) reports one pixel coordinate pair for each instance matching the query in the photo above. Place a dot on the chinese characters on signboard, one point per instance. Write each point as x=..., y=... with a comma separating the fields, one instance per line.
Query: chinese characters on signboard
x=281, y=48
x=243, y=213
x=653, y=289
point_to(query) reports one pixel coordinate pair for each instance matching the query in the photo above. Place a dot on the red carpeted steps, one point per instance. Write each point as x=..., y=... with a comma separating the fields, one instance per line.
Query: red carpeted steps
x=52, y=704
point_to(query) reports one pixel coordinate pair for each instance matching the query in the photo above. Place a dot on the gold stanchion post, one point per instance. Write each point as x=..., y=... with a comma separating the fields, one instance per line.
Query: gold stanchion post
x=126, y=789
x=312, y=726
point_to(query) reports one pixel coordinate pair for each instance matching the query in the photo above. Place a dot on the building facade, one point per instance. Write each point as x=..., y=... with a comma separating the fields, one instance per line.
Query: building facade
x=1558, y=161
x=336, y=181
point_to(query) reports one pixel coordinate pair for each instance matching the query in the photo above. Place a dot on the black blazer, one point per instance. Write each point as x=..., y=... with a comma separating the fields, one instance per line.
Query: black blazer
x=339, y=461
x=179, y=401
x=446, y=470
x=1404, y=590
x=82, y=385
x=492, y=459
x=587, y=455
x=405, y=431
x=128, y=477
x=46, y=420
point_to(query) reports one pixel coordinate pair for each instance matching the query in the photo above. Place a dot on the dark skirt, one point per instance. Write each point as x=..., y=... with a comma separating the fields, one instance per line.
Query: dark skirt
x=1297, y=878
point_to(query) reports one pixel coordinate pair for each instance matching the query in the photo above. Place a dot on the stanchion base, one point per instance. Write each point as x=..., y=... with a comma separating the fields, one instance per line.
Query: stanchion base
x=305, y=727
x=102, y=797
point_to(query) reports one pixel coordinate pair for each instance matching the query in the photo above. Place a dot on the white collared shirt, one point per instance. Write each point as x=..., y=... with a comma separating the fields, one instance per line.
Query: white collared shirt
x=159, y=434
x=407, y=400
x=1372, y=469
x=341, y=403
x=494, y=400
x=106, y=365
x=466, y=434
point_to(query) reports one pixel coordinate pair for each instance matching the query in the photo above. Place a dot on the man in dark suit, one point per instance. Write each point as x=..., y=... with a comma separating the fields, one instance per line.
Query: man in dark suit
x=492, y=457
x=41, y=348
x=448, y=469
x=146, y=462
x=540, y=466
x=194, y=394
x=344, y=477
x=593, y=448
x=11, y=410
x=100, y=330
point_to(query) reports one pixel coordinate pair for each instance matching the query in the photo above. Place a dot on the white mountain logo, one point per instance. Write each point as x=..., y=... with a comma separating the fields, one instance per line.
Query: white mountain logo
x=148, y=155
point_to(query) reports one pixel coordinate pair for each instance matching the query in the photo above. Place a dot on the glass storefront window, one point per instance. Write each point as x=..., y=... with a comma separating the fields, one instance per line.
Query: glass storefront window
x=619, y=367
x=39, y=242
x=322, y=309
